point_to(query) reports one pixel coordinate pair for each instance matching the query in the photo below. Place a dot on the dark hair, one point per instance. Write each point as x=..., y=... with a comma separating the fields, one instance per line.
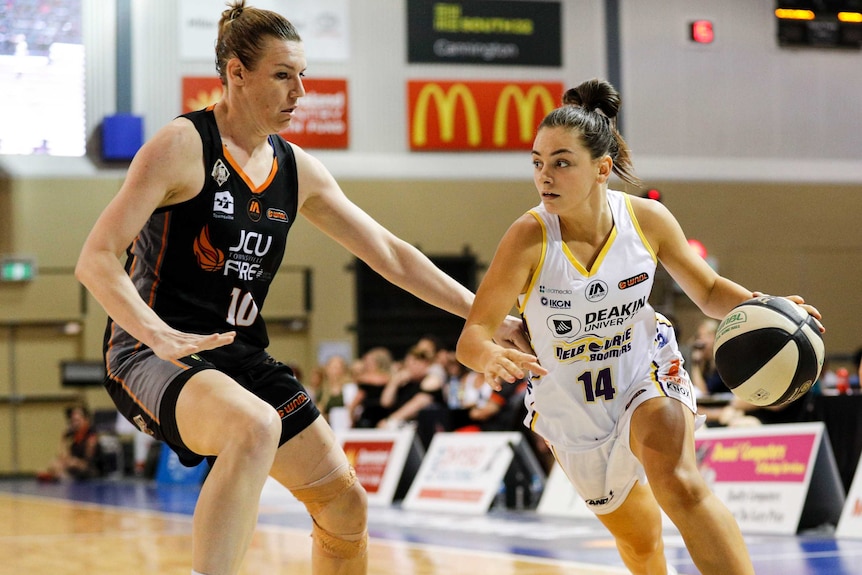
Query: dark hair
x=242, y=31
x=592, y=108
x=82, y=408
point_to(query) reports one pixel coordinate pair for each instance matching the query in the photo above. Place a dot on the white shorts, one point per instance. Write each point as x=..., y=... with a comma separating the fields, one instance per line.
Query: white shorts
x=605, y=474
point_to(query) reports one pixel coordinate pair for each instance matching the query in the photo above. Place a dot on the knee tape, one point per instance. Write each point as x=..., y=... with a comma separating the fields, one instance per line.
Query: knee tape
x=336, y=546
x=318, y=495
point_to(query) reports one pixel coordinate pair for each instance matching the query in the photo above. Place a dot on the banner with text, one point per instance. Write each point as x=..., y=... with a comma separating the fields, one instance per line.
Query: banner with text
x=462, y=472
x=464, y=115
x=481, y=32
x=761, y=473
x=321, y=119
x=322, y=24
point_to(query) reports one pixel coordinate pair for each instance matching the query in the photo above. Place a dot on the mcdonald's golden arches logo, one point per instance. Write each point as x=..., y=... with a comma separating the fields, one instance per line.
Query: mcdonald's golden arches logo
x=478, y=115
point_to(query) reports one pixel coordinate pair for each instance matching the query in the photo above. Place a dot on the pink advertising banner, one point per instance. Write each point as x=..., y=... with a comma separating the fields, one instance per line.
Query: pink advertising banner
x=762, y=474
x=770, y=458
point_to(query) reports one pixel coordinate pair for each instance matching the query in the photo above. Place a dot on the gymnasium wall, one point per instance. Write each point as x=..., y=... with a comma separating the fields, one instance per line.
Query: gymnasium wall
x=754, y=148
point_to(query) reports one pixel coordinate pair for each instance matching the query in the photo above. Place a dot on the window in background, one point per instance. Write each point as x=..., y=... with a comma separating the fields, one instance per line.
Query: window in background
x=41, y=78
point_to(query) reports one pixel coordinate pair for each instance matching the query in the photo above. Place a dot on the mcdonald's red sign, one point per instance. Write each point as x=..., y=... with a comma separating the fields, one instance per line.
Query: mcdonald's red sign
x=478, y=116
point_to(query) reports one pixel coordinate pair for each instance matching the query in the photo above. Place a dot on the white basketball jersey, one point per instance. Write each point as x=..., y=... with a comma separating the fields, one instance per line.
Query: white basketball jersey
x=592, y=329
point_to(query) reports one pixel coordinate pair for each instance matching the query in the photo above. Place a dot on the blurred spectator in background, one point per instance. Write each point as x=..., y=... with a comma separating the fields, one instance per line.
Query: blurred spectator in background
x=336, y=378
x=740, y=413
x=414, y=387
x=79, y=456
x=337, y=391
x=430, y=345
x=487, y=409
x=371, y=376
x=704, y=375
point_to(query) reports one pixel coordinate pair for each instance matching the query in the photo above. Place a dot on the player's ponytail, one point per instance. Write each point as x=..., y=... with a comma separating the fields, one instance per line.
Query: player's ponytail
x=591, y=108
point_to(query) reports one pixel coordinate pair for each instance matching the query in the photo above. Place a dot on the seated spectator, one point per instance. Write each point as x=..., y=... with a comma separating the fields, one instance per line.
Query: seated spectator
x=371, y=376
x=416, y=386
x=430, y=345
x=704, y=375
x=487, y=409
x=335, y=378
x=79, y=456
x=740, y=413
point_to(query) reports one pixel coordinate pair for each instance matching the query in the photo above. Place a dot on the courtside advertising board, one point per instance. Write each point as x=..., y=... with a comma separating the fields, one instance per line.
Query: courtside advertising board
x=462, y=472
x=776, y=478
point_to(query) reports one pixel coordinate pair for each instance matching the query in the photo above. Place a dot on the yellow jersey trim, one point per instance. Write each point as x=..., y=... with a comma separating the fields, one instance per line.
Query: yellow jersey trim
x=538, y=269
x=638, y=228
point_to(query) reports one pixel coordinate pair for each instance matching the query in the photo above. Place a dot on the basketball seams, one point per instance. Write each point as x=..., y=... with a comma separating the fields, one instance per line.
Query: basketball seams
x=769, y=351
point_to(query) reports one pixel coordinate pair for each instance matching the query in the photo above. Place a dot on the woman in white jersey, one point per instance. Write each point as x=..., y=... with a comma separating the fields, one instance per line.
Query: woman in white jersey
x=609, y=393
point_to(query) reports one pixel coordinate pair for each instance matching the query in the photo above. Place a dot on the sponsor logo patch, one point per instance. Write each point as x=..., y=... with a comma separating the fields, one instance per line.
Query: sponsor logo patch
x=223, y=203
x=601, y=500
x=293, y=405
x=633, y=281
x=254, y=210
x=564, y=326
x=277, y=215
x=596, y=290
x=220, y=172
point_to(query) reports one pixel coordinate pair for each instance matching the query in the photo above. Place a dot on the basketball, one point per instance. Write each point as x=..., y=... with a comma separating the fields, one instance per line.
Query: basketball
x=768, y=351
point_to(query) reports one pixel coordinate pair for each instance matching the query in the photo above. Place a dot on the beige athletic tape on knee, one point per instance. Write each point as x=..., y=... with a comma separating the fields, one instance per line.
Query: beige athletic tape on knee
x=321, y=493
x=335, y=546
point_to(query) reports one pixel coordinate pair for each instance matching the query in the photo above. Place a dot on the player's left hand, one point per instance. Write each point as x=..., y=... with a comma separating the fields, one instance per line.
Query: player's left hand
x=511, y=334
x=800, y=301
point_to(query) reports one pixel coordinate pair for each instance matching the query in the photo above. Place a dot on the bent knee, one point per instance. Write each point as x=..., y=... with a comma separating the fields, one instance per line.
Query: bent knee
x=259, y=433
x=679, y=488
x=337, y=503
x=249, y=436
x=641, y=549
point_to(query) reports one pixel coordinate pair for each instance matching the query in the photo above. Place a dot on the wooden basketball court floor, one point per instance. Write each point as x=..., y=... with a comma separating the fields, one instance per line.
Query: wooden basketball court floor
x=133, y=526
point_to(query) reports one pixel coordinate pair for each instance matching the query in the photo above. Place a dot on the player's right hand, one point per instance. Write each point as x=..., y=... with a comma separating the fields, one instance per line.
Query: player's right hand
x=510, y=365
x=176, y=344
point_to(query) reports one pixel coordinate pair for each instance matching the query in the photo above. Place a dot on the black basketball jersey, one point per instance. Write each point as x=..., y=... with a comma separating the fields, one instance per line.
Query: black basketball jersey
x=205, y=265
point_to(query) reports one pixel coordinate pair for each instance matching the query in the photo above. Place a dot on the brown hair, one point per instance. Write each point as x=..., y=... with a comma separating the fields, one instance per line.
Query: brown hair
x=242, y=31
x=591, y=108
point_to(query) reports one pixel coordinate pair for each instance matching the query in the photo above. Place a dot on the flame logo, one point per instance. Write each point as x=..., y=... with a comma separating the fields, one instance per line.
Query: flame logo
x=210, y=258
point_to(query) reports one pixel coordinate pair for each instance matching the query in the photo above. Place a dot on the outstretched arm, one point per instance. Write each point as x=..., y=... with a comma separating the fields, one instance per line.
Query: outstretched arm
x=508, y=275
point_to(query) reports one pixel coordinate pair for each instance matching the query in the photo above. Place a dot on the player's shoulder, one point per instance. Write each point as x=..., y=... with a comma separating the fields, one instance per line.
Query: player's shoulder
x=530, y=222
x=649, y=213
x=177, y=140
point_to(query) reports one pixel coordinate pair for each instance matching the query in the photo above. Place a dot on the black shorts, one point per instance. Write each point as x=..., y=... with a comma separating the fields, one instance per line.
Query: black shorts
x=145, y=389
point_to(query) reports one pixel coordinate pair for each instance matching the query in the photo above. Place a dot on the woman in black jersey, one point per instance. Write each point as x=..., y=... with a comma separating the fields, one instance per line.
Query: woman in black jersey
x=202, y=218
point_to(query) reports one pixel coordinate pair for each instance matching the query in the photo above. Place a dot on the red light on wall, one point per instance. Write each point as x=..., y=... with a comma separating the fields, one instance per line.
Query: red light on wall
x=702, y=32
x=698, y=247
x=652, y=194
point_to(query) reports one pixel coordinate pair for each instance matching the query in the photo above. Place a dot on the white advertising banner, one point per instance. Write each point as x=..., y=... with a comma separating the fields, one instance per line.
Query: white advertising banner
x=850, y=524
x=763, y=474
x=462, y=472
x=322, y=24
